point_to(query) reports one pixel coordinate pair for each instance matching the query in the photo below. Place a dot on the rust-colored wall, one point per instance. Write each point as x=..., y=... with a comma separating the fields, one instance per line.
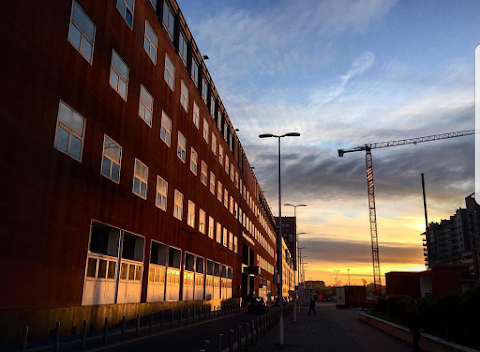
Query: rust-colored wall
x=49, y=199
x=403, y=283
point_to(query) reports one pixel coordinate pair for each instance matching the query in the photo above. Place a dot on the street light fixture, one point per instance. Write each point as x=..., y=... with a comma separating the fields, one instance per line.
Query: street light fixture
x=296, y=262
x=279, y=232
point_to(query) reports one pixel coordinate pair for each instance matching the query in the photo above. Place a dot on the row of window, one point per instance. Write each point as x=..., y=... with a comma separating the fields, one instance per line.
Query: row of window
x=82, y=36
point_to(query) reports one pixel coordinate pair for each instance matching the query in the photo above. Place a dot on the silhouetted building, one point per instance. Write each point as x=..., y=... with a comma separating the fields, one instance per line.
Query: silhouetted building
x=289, y=224
x=473, y=215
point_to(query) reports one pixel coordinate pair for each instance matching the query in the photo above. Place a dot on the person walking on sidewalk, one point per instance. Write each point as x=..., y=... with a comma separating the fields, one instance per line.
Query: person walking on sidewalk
x=312, y=307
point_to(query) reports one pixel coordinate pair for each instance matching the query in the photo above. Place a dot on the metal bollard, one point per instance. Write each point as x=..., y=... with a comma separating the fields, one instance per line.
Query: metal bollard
x=152, y=317
x=124, y=327
x=188, y=314
x=105, y=331
x=56, y=344
x=180, y=317
x=239, y=348
x=137, y=332
x=230, y=340
x=205, y=345
x=220, y=336
x=84, y=334
x=247, y=329
x=162, y=318
x=24, y=338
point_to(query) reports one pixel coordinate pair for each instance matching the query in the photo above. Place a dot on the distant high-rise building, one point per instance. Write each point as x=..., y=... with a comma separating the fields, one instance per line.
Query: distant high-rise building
x=289, y=224
x=473, y=214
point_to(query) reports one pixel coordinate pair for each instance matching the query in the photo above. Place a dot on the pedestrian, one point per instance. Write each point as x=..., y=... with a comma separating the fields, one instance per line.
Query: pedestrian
x=312, y=306
x=413, y=319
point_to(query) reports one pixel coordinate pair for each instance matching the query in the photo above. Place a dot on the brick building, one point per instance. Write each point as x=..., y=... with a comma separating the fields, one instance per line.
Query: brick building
x=126, y=188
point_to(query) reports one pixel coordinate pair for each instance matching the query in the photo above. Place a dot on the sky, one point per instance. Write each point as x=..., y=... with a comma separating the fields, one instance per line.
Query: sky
x=344, y=73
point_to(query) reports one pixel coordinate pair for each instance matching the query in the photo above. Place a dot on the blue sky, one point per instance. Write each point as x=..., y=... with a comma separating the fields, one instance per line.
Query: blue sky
x=345, y=73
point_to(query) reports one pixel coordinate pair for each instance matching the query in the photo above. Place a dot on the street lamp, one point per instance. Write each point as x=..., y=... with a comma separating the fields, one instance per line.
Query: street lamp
x=296, y=261
x=279, y=233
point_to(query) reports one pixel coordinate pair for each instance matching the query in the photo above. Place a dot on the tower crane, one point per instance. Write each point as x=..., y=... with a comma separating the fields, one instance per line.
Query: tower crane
x=377, y=281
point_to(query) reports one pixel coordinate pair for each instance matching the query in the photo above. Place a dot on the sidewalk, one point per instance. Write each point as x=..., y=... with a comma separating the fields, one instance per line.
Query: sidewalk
x=332, y=330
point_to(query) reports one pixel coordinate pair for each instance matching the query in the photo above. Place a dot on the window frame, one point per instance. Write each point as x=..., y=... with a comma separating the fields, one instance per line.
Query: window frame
x=211, y=227
x=151, y=45
x=171, y=75
x=70, y=131
x=158, y=203
x=194, y=72
x=193, y=161
x=111, y=160
x=167, y=132
x=82, y=33
x=176, y=207
x=196, y=115
x=170, y=17
x=219, y=191
x=182, y=50
x=135, y=177
x=213, y=183
x=124, y=15
x=119, y=76
x=202, y=221
x=204, y=176
x=214, y=143
x=181, y=151
x=184, y=96
x=190, y=215
x=147, y=108
x=206, y=130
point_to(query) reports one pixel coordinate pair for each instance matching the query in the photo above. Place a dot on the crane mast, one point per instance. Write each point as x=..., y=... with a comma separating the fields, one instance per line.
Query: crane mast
x=377, y=278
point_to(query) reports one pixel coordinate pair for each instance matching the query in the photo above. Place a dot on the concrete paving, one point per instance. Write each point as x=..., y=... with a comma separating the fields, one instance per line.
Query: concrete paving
x=332, y=330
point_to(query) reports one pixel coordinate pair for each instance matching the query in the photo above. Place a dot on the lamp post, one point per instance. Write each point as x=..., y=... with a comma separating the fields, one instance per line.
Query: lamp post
x=298, y=268
x=279, y=232
x=296, y=261
x=300, y=276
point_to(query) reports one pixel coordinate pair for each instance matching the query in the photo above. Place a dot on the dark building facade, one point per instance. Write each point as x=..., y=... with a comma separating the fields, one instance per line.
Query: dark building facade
x=289, y=225
x=126, y=188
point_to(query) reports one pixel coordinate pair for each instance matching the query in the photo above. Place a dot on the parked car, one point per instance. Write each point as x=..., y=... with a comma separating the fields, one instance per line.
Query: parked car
x=257, y=305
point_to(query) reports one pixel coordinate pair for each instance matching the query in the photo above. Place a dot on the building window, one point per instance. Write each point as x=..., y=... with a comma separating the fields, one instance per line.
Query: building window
x=204, y=175
x=140, y=176
x=236, y=210
x=205, y=130
x=166, y=129
x=193, y=161
x=150, y=42
x=119, y=75
x=219, y=191
x=194, y=72
x=169, y=72
x=69, y=132
x=227, y=162
x=235, y=244
x=162, y=193
x=214, y=144
x=211, y=225
x=125, y=7
x=220, y=154
x=145, y=109
x=191, y=214
x=196, y=115
x=153, y=3
x=181, y=147
x=204, y=90
x=182, y=48
x=236, y=179
x=184, y=96
x=178, y=205
x=219, y=233
x=225, y=131
x=225, y=237
x=81, y=33
x=231, y=205
x=212, y=183
x=232, y=172
x=225, y=198
x=168, y=20
x=212, y=107
x=230, y=241
x=202, y=225
x=111, y=159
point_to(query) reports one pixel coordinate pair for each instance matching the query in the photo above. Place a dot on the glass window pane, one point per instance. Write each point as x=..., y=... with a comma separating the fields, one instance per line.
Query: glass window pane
x=74, y=36
x=86, y=49
x=129, y=17
x=146, y=45
x=115, y=172
x=157, y=274
x=119, y=65
x=106, y=167
x=136, y=185
x=122, y=89
x=148, y=117
x=102, y=269
x=112, y=150
x=123, y=271
x=111, y=270
x=150, y=34
x=121, y=7
x=130, y=3
x=91, y=267
x=143, y=189
x=113, y=79
x=146, y=97
x=75, y=147
x=138, y=274
x=151, y=274
x=77, y=123
x=131, y=272
x=61, y=141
